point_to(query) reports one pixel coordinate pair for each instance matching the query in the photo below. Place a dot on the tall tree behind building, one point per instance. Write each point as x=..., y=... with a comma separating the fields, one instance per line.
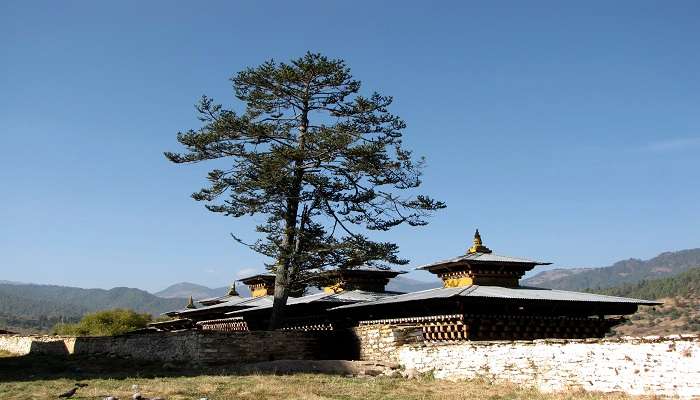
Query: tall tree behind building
x=321, y=162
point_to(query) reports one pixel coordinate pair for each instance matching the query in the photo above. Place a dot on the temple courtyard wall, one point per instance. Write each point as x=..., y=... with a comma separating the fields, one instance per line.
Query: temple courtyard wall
x=191, y=347
x=663, y=366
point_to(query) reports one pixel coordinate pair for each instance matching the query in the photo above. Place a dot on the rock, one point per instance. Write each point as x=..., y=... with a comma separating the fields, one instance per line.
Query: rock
x=393, y=374
x=410, y=373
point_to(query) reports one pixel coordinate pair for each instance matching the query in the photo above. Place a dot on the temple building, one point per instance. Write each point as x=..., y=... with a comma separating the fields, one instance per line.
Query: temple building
x=338, y=287
x=481, y=299
x=261, y=287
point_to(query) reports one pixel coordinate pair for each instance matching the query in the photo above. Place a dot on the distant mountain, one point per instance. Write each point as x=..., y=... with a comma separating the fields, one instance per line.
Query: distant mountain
x=187, y=289
x=622, y=272
x=29, y=306
x=403, y=284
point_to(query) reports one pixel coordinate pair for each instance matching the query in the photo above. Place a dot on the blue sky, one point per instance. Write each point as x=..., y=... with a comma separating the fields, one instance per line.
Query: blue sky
x=564, y=132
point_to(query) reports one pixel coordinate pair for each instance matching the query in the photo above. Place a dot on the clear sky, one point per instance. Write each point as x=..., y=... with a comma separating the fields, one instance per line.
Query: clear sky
x=564, y=131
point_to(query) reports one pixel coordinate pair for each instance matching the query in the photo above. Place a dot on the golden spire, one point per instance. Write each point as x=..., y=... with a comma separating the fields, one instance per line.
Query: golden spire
x=232, y=290
x=478, y=246
x=190, y=304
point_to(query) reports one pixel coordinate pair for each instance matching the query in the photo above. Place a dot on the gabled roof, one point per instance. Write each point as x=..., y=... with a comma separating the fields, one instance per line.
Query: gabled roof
x=344, y=297
x=233, y=302
x=483, y=258
x=263, y=277
x=217, y=299
x=362, y=268
x=371, y=268
x=498, y=292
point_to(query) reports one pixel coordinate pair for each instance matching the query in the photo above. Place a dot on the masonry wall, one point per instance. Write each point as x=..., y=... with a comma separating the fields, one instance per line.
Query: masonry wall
x=194, y=347
x=668, y=366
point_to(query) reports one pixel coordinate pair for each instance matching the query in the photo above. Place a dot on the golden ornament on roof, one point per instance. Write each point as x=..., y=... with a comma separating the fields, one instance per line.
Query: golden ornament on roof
x=478, y=246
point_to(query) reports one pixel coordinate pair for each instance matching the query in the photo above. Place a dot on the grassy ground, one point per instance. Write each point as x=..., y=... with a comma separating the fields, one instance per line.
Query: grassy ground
x=25, y=378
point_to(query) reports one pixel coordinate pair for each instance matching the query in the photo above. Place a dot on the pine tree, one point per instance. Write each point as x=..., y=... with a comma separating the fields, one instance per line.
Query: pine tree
x=324, y=164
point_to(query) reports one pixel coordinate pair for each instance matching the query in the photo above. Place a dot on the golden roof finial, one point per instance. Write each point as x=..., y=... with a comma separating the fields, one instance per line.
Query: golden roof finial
x=232, y=290
x=478, y=246
x=190, y=304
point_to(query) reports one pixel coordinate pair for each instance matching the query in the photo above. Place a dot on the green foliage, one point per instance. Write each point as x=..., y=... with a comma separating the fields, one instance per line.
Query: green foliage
x=686, y=284
x=322, y=164
x=105, y=323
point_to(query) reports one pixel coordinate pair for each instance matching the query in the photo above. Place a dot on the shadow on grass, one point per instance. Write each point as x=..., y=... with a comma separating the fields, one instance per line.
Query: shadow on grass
x=36, y=367
x=39, y=367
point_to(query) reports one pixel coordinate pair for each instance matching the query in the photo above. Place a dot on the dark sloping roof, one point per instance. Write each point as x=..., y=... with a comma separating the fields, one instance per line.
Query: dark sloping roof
x=362, y=268
x=484, y=258
x=263, y=276
x=372, y=268
x=344, y=297
x=218, y=299
x=522, y=293
x=237, y=302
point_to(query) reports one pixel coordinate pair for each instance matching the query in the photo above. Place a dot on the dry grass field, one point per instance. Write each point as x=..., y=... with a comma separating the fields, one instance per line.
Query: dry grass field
x=40, y=378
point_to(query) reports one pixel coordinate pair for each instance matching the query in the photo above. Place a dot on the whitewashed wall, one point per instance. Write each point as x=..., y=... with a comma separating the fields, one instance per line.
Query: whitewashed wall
x=656, y=366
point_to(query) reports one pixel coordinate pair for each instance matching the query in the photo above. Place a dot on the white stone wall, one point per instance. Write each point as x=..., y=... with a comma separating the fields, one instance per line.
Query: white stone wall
x=667, y=366
x=21, y=345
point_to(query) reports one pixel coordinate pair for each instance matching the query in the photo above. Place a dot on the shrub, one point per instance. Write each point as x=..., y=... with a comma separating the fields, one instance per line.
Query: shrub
x=105, y=323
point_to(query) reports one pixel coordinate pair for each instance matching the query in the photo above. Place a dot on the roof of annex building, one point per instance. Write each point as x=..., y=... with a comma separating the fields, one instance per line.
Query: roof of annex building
x=498, y=292
x=260, y=276
x=480, y=254
x=483, y=258
x=233, y=302
x=344, y=297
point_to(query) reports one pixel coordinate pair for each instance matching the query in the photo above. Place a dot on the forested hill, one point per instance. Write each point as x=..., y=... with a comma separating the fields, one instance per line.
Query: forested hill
x=685, y=285
x=28, y=306
x=621, y=273
x=679, y=313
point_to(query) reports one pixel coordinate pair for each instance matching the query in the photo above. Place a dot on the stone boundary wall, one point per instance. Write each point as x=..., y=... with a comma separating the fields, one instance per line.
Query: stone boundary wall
x=663, y=366
x=193, y=347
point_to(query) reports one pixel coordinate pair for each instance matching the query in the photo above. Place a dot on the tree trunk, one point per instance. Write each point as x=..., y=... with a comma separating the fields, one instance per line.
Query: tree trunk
x=284, y=264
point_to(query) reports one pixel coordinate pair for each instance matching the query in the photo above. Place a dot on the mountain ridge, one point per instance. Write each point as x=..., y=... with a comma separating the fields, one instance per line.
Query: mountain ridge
x=34, y=306
x=628, y=271
x=186, y=289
